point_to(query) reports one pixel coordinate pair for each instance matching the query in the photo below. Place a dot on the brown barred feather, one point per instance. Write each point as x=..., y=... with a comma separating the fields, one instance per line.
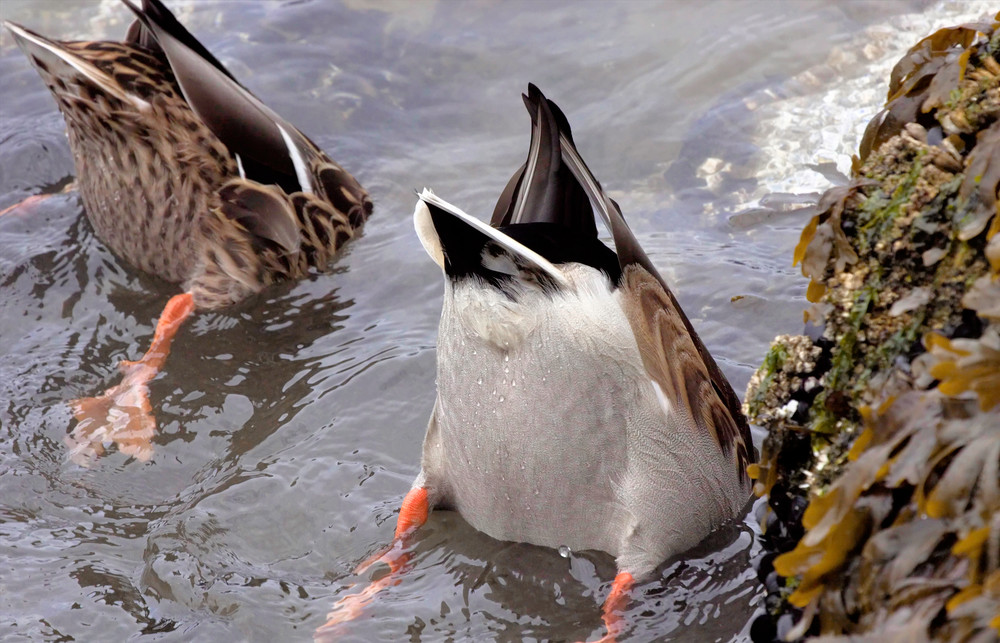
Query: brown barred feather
x=674, y=362
x=164, y=191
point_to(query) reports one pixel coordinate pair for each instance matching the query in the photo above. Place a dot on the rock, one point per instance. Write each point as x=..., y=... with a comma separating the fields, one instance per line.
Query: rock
x=882, y=460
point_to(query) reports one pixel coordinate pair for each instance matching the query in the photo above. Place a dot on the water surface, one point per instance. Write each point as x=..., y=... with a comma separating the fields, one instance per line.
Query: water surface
x=290, y=426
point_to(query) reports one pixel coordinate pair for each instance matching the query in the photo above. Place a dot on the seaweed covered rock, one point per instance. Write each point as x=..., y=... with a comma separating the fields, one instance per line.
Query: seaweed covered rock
x=882, y=461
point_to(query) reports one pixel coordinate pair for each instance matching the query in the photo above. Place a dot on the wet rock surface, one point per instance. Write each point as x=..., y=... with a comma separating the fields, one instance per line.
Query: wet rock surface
x=882, y=463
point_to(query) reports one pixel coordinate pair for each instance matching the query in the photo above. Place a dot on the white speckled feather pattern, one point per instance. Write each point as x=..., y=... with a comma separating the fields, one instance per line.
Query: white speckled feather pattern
x=603, y=468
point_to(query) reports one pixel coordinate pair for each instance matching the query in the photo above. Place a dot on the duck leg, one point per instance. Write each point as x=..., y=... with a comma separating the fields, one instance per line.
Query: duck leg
x=122, y=414
x=27, y=203
x=614, y=605
x=412, y=514
x=35, y=199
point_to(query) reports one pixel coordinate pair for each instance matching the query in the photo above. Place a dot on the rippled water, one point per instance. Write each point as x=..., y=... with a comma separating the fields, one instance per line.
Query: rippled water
x=291, y=425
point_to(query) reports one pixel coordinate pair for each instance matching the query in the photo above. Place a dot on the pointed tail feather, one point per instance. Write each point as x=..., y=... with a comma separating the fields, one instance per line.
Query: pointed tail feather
x=271, y=149
x=53, y=60
x=156, y=12
x=543, y=190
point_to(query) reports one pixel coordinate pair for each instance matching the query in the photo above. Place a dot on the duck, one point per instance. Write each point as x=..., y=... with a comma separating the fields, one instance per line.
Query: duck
x=576, y=405
x=186, y=175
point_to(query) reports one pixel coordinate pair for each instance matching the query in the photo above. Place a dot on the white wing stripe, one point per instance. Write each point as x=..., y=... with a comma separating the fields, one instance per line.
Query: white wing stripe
x=301, y=172
x=498, y=236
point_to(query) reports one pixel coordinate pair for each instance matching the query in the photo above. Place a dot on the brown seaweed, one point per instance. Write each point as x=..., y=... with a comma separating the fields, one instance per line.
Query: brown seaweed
x=922, y=80
x=898, y=396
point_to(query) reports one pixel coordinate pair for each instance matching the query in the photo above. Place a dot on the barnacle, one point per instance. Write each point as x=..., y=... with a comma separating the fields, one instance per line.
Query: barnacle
x=775, y=393
x=787, y=365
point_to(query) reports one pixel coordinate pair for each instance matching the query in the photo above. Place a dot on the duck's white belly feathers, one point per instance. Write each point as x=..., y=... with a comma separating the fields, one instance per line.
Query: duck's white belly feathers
x=547, y=429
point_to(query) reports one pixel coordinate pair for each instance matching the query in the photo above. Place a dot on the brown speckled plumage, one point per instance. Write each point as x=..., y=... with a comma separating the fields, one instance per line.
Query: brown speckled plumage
x=162, y=184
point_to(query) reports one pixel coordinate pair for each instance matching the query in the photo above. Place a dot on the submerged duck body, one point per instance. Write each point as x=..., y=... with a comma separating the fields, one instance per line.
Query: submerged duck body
x=576, y=405
x=183, y=172
x=188, y=176
x=549, y=430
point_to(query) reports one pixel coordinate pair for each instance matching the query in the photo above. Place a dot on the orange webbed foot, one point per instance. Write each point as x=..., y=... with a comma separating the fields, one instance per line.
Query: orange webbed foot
x=351, y=606
x=412, y=514
x=25, y=206
x=122, y=415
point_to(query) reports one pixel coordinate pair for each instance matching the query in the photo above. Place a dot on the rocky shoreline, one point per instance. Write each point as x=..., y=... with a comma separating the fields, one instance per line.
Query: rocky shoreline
x=882, y=463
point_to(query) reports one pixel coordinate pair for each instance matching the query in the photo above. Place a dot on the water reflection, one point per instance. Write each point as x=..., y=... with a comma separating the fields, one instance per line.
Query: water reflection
x=465, y=585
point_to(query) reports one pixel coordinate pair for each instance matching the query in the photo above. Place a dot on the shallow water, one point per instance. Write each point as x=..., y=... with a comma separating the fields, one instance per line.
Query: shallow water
x=290, y=426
